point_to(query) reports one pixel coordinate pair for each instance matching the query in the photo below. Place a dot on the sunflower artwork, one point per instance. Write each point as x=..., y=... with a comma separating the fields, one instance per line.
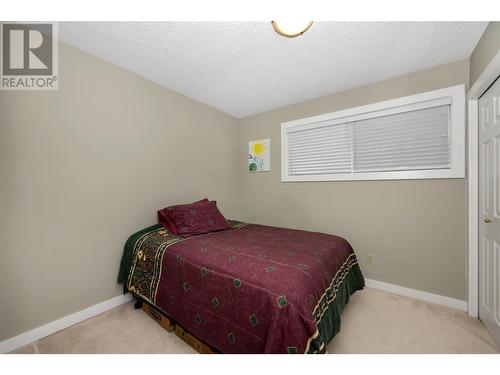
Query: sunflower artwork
x=259, y=155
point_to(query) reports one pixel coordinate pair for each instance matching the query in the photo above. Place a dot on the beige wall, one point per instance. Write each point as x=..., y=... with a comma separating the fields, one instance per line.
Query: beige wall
x=84, y=167
x=485, y=50
x=416, y=229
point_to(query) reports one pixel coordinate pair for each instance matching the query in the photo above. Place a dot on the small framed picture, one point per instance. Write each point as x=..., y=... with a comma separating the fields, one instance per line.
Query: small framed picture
x=259, y=155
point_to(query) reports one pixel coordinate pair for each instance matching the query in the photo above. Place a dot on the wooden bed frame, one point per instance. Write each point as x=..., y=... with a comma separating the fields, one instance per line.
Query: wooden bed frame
x=170, y=325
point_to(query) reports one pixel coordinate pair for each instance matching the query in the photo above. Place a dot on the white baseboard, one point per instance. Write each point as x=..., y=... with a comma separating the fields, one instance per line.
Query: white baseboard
x=418, y=294
x=26, y=338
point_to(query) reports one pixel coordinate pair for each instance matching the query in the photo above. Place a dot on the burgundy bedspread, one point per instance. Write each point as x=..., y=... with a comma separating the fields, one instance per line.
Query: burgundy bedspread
x=250, y=289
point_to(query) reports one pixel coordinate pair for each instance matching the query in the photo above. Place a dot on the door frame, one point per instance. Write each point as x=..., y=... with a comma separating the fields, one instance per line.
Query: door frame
x=485, y=80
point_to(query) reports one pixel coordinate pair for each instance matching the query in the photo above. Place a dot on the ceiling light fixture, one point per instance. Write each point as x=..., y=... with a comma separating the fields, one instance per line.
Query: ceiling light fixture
x=291, y=29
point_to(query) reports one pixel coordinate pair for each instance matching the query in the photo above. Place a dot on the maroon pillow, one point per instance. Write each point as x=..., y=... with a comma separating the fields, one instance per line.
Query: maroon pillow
x=165, y=220
x=198, y=218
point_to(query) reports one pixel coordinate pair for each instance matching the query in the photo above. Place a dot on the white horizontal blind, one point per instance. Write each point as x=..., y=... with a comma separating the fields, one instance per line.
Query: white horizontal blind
x=321, y=150
x=412, y=137
x=406, y=141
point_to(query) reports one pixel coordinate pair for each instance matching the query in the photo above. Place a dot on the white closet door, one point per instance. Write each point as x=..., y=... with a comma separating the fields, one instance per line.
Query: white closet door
x=489, y=210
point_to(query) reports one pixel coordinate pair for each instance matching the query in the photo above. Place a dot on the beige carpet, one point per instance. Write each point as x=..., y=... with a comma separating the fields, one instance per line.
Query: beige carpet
x=373, y=322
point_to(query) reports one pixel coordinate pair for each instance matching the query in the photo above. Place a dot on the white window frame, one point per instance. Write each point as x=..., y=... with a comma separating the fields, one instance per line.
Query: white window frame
x=454, y=95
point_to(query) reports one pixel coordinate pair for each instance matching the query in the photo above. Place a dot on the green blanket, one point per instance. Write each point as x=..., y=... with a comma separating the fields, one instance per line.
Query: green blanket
x=128, y=253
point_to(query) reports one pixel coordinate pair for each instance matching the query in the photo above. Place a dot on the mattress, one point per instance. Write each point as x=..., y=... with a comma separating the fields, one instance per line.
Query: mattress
x=249, y=289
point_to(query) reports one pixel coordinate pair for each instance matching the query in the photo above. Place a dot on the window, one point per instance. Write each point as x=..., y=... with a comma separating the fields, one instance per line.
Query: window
x=419, y=136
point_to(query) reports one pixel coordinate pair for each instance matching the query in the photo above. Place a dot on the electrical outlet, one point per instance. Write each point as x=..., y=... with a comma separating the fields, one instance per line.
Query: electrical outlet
x=370, y=258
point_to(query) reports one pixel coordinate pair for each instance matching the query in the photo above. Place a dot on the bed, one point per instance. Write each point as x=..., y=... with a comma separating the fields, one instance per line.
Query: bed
x=248, y=289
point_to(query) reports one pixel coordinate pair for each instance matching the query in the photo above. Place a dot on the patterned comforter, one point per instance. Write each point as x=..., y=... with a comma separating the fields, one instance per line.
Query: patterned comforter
x=249, y=289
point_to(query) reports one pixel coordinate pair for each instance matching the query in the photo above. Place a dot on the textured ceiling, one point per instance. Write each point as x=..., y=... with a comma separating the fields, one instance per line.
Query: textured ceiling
x=246, y=68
